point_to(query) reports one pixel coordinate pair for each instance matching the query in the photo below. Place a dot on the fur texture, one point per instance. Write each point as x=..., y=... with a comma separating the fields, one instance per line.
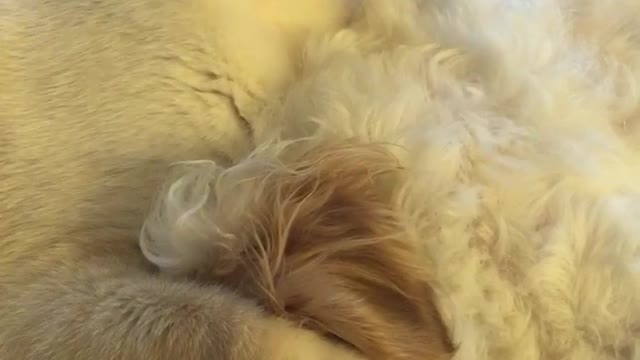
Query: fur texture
x=516, y=124
x=97, y=98
x=313, y=234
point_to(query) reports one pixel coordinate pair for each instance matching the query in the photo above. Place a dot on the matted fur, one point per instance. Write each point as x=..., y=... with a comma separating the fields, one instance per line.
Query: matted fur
x=312, y=233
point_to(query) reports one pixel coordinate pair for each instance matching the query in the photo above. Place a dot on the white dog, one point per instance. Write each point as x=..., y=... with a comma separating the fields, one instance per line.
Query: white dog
x=498, y=137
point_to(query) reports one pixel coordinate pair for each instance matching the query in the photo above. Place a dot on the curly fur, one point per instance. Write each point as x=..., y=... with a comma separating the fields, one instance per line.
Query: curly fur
x=516, y=122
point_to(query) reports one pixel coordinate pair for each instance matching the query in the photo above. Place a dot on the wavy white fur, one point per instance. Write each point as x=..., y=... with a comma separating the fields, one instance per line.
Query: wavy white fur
x=519, y=121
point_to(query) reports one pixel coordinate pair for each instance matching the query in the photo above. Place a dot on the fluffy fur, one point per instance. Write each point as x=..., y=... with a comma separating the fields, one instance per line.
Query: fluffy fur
x=313, y=234
x=516, y=124
x=97, y=98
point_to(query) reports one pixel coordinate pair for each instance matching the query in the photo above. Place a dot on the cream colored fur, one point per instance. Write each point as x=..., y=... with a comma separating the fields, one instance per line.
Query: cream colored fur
x=97, y=98
x=517, y=121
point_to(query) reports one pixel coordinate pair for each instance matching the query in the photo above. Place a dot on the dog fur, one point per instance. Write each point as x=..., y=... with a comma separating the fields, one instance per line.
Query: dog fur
x=97, y=98
x=515, y=124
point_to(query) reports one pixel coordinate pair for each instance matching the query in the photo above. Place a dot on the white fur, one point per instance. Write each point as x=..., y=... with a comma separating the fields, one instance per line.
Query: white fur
x=519, y=122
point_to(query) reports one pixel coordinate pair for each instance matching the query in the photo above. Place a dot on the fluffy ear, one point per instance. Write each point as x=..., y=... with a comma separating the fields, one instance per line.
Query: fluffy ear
x=314, y=236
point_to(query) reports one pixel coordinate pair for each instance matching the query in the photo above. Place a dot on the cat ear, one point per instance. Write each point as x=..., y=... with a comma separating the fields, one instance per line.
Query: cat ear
x=311, y=232
x=324, y=246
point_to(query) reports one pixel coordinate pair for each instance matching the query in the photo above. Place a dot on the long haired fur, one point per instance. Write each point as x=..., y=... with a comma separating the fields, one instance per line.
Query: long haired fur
x=97, y=98
x=520, y=125
x=312, y=233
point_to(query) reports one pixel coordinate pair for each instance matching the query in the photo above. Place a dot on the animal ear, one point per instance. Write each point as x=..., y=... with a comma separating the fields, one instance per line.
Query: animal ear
x=322, y=245
x=312, y=233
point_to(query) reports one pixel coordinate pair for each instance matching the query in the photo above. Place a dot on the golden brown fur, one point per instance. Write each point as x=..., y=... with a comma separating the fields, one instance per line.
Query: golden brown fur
x=97, y=98
x=315, y=237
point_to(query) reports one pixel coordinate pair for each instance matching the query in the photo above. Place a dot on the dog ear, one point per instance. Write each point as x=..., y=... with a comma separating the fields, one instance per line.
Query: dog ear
x=321, y=244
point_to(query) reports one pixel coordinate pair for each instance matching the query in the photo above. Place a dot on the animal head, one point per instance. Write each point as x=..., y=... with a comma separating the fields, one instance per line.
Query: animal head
x=311, y=232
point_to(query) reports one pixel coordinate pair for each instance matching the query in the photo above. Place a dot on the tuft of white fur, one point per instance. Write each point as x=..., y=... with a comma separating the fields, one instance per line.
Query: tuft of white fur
x=194, y=219
x=519, y=123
